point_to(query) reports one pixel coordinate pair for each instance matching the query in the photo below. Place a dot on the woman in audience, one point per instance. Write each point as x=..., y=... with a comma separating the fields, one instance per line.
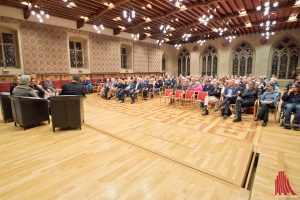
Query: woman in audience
x=291, y=99
x=267, y=101
x=24, y=89
x=212, y=97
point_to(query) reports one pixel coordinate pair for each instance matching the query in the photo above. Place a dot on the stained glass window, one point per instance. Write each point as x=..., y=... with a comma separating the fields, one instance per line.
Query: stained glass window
x=76, y=54
x=210, y=61
x=285, y=59
x=7, y=50
x=242, y=60
x=184, y=63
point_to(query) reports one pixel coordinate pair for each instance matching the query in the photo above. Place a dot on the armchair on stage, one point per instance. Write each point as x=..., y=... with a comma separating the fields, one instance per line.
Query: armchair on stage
x=67, y=111
x=29, y=111
x=6, y=107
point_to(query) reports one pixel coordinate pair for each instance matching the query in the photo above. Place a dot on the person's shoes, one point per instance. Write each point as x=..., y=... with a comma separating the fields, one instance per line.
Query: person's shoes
x=287, y=125
x=122, y=101
x=264, y=124
x=132, y=101
x=201, y=105
x=225, y=117
x=238, y=119
x=256, y=119
x=205, y=112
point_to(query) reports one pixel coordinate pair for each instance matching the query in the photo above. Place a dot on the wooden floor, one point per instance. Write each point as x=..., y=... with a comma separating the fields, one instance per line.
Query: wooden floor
x=146, y=151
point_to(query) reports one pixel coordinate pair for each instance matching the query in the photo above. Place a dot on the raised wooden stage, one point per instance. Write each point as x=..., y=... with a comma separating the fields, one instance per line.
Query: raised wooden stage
x=147, y=151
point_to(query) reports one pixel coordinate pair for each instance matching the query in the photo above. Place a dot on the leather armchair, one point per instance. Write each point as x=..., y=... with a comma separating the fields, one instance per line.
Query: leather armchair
x=6, y=107
x=29, y=111
x=66, y=111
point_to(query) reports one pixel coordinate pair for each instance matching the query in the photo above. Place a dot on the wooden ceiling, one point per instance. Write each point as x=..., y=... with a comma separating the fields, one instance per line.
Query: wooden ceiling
x=238, y=16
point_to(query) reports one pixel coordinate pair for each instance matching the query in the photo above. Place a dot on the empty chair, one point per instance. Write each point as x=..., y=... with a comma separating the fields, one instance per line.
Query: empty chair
x=29, y=111
x=6, y=107
x=66, y=111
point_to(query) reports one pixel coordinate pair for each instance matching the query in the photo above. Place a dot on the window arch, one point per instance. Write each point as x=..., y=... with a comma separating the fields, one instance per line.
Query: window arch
x=163, y=63
x=184, y=63
x=210, y=61
x=242, y=60
x=285, y=59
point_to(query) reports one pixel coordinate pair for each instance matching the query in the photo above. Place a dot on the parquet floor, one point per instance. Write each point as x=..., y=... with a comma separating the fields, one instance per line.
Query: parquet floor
x=146, y=151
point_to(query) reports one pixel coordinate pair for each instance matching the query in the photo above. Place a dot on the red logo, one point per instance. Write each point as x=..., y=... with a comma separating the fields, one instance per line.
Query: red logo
x=282, y=185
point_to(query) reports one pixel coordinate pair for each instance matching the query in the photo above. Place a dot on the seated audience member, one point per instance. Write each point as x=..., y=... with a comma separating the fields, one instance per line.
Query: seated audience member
x=167, y=82
x=38, y=88
x=130, y=86
x=74, y=87
x=49, y=86
x=230, y=94
x=291, y=99
x=158, y=85
x=137, y=89
x=296, y=81
x=88, y=85
x=120, y=86
x=109, y=84
x=213, y=96
x=268, y=101
x=197, y=87
x=207, y=86
x=246, y=99
x=24, y=89
x=15, y=82
x=148, y=88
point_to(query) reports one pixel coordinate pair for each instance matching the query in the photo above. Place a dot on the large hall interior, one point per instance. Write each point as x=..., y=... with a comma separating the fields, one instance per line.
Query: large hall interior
x=149, y=99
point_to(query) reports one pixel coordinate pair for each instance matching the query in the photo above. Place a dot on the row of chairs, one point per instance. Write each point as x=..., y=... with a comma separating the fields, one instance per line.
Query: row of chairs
x=183, y=97
x=66, y=111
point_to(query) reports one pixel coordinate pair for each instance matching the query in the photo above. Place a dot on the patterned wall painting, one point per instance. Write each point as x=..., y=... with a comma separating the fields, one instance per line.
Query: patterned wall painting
x=45, y=50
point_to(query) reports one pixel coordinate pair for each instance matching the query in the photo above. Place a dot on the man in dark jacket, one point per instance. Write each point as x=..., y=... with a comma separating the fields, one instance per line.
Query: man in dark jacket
x=229, y=97
x=247, y=99
x=292, y=104
x=73, y=88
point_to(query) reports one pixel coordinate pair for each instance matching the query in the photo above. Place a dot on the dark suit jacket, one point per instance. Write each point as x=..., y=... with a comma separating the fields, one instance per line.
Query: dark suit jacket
x=73, y=88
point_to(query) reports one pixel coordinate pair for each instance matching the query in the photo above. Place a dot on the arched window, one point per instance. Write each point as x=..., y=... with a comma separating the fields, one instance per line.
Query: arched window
x=242, y=60
x=184, y=63
x=210, y=61
x=163, y=63
x=285, y=59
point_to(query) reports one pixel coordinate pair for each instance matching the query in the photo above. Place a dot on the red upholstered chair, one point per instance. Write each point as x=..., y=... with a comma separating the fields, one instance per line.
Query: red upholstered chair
x=5, y=87
x=178, y=96
x=63, y=82
x=167, y=95
x=189, y=96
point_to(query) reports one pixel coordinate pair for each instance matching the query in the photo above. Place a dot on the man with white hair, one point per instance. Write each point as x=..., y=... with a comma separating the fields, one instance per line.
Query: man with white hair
x=23, y=89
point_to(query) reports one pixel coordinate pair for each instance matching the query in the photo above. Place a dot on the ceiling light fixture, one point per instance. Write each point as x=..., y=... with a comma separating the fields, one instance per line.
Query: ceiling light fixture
x=186, y=36
x=266, y=7
x=221, y=31
x=135, y=36
x=177, y=46
x=178, y=4
x=129, y=15
x=201, y=42
x=160, y=41
x=99, y=28
x=205, y=19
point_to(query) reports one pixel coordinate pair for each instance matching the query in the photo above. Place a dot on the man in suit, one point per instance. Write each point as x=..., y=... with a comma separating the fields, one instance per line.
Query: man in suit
x=73, y=88
x=229, y=97
x=130, y=86
x=246, y=99
x=138, y=87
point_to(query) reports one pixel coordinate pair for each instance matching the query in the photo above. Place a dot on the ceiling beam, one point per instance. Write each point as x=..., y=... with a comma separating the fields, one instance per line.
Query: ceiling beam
x=172, y=12
x=102, y=12
x=229, y=17
x=256, y=24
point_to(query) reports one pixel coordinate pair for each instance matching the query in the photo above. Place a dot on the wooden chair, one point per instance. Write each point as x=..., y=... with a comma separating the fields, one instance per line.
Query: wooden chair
x=200, y=97
x=189, y=96
x=178, y=96
x=167, y=95
x=275, y=111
